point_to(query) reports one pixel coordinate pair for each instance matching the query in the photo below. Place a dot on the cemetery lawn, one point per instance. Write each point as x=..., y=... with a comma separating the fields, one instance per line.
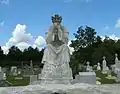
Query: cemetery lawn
x=103, y=78
x=18, y=82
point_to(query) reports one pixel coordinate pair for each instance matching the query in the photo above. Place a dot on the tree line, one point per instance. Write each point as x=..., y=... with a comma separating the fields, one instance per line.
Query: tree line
x=16, y=57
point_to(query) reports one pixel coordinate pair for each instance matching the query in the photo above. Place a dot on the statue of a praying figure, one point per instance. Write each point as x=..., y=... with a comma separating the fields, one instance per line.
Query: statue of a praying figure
x=56, y=58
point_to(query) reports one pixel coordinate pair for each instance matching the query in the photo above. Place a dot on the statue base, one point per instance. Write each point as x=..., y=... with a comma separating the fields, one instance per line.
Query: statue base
x=79, y=88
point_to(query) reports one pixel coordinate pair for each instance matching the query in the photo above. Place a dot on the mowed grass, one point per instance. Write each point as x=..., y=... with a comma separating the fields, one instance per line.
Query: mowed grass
x=18, y=82
x=103, y=78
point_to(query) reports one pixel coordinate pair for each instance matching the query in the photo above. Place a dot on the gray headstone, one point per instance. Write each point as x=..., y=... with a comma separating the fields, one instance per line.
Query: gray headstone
x=118, y=76
x=86, y=77
x=14, y=70
x=28, y=71
x=33, y=78
x=1, y=76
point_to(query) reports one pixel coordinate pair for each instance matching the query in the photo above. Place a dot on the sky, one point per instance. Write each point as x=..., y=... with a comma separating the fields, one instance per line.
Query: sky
x=24, y=22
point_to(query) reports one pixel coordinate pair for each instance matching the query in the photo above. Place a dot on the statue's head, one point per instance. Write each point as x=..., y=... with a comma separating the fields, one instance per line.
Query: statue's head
x=57, y=19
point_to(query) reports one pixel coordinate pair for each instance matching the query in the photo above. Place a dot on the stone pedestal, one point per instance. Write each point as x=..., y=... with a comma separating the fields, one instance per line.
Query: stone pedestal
x=1, y=76
x=62, y=89
x=118, y=76
x=86, y=77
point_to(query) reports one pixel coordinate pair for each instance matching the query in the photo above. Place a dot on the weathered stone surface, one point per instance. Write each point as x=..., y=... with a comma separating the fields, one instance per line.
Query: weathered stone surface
x=86, y=77
x=61, y=88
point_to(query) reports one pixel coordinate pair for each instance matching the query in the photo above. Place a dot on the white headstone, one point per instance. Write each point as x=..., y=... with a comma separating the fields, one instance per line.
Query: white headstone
x=117, y=63
x=104, y=65
x=0, y=69
x=4, y=76
x=14, y=70
x=19, y=72
x=88, y=66
x=98, y=66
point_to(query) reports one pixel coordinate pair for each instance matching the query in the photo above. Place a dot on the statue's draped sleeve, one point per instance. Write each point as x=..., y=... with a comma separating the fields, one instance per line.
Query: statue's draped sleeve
x=66, y=35
x=49, y=35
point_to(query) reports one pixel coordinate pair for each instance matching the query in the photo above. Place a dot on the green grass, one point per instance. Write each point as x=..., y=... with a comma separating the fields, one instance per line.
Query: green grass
x=18, y=82
x=103, y=79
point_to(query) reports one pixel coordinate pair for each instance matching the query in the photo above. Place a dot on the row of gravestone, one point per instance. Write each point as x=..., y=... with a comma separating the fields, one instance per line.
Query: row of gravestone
x=116, y=68
x=104, y=68
x=84, y=77
x=90, y=77
x=14, y=71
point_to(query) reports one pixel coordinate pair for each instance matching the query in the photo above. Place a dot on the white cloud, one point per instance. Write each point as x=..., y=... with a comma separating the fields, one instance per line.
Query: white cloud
x=4, y=2
x=5, y=49
x=71, y=48
x=22, y=45
x=2, y=24
x=106, y=28
x=19, y=38
x=113, y=37
x=34, y=46
x=68, y=1
x=87, y=0
x=117, y=23
x=19, y=34
x=40, y=41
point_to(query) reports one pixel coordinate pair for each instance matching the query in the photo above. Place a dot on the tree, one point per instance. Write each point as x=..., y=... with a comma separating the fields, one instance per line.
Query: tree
x=28, y=54
x=107, y=49
x=33, y=54
x=84, y=43
x=13, y=57
x=83, y=38
x=14, y=54
x=1, y=56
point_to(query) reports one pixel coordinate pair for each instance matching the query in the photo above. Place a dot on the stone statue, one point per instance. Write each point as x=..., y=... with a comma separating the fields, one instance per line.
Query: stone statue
x=56, y=56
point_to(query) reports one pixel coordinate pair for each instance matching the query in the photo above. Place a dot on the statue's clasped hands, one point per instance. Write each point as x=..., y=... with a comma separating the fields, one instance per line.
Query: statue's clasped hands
x=56, y=25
